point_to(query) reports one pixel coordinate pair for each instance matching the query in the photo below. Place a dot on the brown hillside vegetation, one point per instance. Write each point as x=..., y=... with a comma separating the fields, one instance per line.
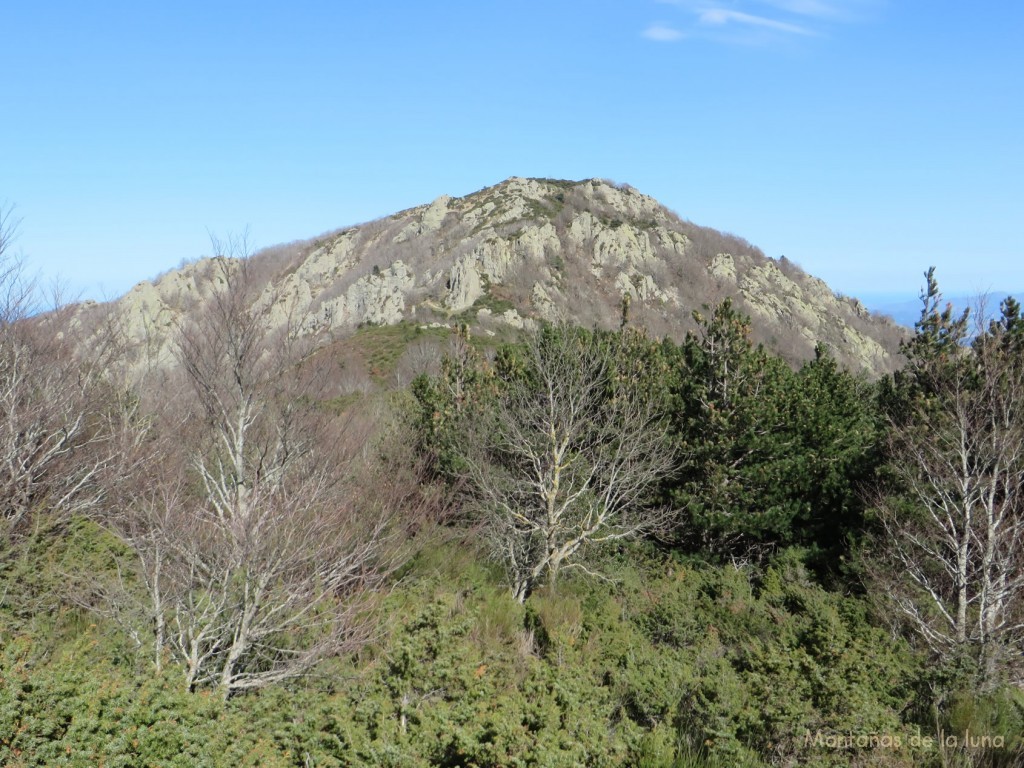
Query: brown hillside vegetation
x=508, y=256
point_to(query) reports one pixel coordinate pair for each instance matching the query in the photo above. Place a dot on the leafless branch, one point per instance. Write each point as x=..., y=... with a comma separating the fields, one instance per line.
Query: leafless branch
x=955, y=535
x=258, y=554
x=567, y=463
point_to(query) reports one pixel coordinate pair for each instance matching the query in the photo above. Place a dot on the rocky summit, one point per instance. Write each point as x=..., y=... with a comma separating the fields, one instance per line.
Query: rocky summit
x=512, y=255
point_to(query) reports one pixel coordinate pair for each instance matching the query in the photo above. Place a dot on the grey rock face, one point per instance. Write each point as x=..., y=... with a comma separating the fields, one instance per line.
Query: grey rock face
x=527, y=250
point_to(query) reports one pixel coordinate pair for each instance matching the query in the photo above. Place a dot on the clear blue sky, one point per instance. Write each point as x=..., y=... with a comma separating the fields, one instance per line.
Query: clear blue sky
x=864, y=139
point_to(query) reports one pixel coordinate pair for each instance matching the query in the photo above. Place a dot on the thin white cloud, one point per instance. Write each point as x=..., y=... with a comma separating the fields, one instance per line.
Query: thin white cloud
x=662, y=33
x=761, y=22
x=829, y=11
x=815, y=9
x=723, y=16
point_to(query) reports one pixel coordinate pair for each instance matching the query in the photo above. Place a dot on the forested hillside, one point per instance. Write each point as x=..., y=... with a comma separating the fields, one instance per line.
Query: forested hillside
x=578, y=546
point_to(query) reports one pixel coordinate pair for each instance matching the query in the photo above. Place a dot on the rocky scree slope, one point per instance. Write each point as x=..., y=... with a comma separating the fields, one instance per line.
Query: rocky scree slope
x=511, y=255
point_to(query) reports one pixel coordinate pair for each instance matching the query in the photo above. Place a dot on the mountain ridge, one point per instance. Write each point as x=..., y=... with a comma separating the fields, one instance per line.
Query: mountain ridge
x=517, y=253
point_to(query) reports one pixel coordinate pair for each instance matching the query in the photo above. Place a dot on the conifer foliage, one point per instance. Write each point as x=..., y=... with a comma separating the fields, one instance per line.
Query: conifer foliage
x=954, y=519
x=771, y=457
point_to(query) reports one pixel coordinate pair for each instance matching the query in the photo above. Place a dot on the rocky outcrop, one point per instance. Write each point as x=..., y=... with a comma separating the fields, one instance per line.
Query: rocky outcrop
x=522, y=251
x=465, y=285
x=375, y=299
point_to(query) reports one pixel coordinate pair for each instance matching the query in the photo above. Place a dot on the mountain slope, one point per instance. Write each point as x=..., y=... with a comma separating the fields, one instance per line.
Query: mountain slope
x=522, y=251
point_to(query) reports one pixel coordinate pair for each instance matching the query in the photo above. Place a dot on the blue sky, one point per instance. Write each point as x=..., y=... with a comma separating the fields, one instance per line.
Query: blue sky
x=863, y=139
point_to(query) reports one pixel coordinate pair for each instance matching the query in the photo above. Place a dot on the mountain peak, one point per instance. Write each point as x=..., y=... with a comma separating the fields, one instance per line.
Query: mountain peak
x=526, y=250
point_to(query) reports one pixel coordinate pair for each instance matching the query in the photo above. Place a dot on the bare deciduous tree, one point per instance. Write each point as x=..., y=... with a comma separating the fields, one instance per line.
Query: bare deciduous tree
x=420, y=357
x=257, y=558
x=47, y=397
x=568, y=461
x=955, y=534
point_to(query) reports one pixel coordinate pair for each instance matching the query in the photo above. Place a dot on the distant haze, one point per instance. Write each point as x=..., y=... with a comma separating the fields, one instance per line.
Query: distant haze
x=906, y=311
